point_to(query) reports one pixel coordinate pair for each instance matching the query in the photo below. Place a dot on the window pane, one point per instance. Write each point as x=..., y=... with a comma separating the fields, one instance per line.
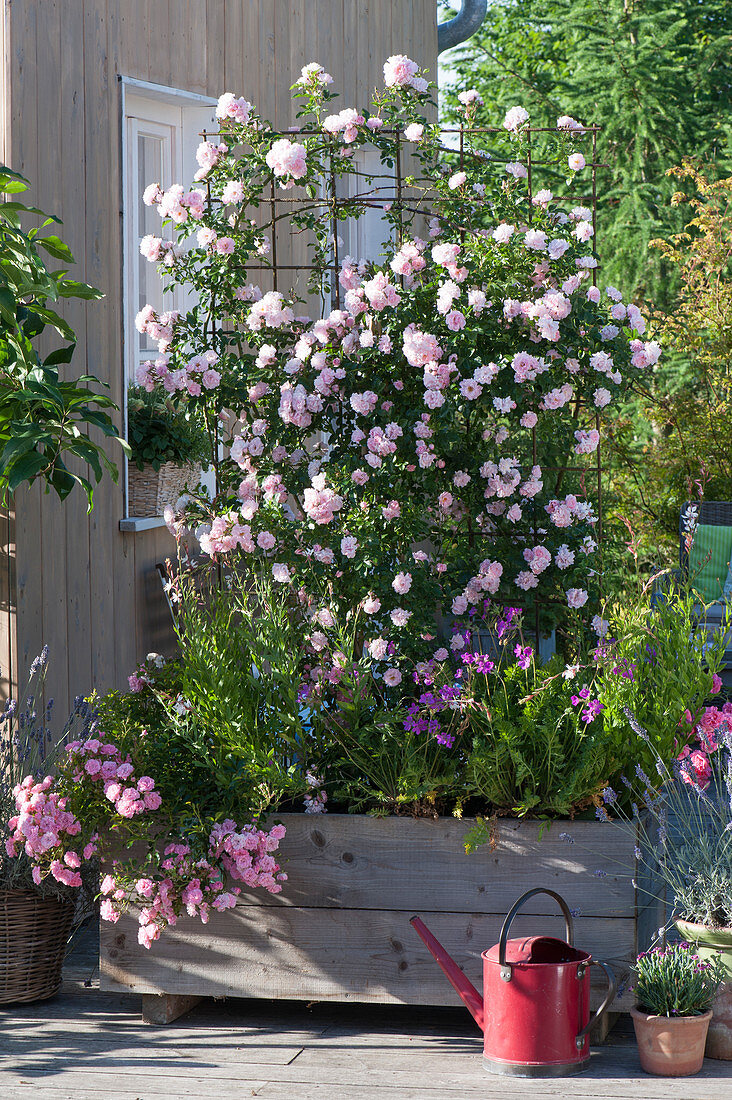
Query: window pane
x=150, y=169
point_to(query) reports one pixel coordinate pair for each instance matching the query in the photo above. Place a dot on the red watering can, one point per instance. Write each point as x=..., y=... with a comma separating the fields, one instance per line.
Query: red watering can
x=535, y=1013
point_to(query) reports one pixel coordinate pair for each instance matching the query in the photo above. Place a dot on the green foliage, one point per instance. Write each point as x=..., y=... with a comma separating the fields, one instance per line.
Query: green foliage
x=531, y=752
x=374, y=764
x=674, y=981
x=220, y=727
x=661, y=667
x=688, y=405
x=160, y=430
x=654, y=74
x=44, y=418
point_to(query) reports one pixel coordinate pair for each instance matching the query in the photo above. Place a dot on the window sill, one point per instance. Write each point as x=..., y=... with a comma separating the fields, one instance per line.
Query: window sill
x=140, y=523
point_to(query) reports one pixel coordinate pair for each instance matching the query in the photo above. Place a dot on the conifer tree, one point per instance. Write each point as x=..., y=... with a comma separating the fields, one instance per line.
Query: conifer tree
x=655, y=74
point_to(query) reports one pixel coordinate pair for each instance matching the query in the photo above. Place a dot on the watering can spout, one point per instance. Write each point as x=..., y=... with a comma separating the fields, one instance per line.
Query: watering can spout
x=465, y=989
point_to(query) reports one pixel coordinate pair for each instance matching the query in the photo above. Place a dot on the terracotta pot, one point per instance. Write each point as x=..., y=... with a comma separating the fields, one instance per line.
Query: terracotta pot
x=708, y=943
x=670, y=1046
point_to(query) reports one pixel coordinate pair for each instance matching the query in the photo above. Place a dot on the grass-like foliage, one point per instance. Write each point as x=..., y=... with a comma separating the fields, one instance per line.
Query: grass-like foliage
x=674, y=981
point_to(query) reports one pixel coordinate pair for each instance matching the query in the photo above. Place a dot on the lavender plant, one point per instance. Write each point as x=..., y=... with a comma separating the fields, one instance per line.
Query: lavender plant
x=674, y=981
x=684, y=830
x=29, y=746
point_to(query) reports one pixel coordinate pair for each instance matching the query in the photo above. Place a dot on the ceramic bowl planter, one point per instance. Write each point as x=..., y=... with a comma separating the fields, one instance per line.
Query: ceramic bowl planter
x=710, y=942
x=670, y=1046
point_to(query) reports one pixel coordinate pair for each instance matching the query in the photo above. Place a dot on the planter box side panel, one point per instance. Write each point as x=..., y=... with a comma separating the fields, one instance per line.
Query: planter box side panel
x=359, y=862
x=340, y=929
x=324, y=954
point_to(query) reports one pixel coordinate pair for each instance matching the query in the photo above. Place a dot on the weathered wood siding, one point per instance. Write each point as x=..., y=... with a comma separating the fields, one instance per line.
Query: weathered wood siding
x=68, y=579
x=340, y=928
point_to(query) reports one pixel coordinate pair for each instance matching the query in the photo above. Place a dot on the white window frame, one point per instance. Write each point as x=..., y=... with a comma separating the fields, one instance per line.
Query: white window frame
x=364, y=236
x=179, y=116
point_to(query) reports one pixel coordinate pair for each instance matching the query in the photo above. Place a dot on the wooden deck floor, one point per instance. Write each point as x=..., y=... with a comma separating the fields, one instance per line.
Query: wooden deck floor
x=87, y=1045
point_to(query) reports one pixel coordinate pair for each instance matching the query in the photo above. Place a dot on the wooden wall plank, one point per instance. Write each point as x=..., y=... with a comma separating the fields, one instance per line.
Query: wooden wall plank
x=233, y=29
x=133, y=47
x=266, y=61
x=103, y=331
x=49, y=192
x=8, y=621
x=73, y=210
x=215, y=33
x=194, y=43
x=249, y=47
x=117, y=548
x=159, y=66
x=24, y=159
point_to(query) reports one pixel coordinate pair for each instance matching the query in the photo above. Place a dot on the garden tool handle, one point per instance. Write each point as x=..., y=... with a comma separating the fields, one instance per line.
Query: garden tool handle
x=505, y=968
x=609, y=997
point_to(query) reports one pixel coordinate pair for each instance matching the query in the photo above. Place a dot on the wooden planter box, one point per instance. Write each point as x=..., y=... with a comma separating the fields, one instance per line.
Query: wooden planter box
x=340, y=929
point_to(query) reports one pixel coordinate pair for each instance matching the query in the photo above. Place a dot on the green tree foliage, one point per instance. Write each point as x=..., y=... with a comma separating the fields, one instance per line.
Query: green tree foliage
x=44, y=417
x=689, y=405
x=656, y=75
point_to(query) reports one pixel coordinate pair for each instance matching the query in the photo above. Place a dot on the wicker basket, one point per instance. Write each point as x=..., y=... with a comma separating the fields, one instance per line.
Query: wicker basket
x=33, y=936
x=149, y=491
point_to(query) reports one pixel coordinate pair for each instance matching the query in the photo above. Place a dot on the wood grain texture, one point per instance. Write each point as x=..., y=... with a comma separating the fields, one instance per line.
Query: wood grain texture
x=163, y=1008
x=324, y=954
x=340, y=929
x=361, y=862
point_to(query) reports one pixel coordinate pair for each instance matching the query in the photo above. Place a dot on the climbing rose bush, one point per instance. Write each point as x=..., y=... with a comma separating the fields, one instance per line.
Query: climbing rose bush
x=424, y=435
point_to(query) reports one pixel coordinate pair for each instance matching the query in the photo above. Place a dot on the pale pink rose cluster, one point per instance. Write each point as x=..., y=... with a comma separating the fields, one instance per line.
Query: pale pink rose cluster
x=312, y=374
x=566, y=122
x=587, y=441
x=208, y=156
x=43, y=828
x=159, y=327
x=270, y=311
x=346, y=122
x=195, y=376
x=516, y=117
x=470, y=98
x=94, y=761
x=288, y=161
x=401, y=72
x=644, y=354
x=314, y=75
x=577, y=597
x=45, y=825
x=231, y=108
x=408, y=260
x=157, y=250
x=176, y=203
x=320, y=501
x=570, y=510
x=226, y=533
x=208, y=238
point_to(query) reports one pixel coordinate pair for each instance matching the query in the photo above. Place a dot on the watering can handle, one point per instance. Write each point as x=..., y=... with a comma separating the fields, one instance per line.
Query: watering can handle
x=609, y=997
x=505, y=969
